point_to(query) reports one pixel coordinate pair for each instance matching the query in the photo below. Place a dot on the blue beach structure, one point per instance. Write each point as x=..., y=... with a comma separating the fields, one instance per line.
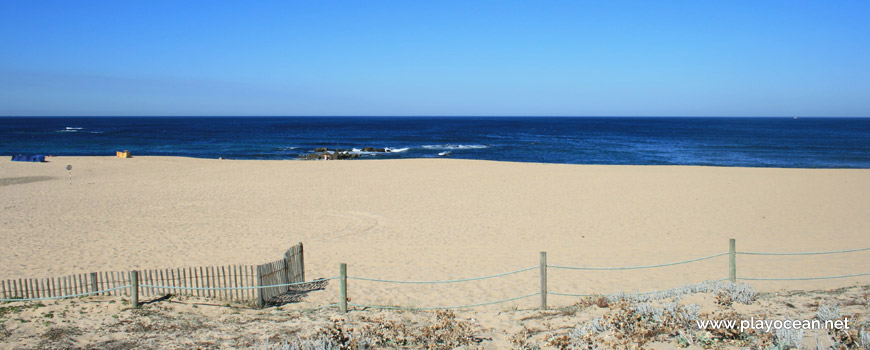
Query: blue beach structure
x=28, y=158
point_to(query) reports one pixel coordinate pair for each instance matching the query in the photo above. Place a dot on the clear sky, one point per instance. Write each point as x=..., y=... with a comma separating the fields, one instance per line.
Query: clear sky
x=551, y=58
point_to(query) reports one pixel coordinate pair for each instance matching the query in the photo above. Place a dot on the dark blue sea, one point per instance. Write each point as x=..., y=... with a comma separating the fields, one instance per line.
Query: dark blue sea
x=742, y=142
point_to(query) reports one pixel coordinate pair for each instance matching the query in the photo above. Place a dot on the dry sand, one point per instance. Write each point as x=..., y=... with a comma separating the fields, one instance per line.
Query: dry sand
x=432, y=219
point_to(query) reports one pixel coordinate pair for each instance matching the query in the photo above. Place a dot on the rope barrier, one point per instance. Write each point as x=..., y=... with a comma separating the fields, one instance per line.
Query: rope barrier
x=70, y=296
x=238, y=288
x=802, y=278
x=443, y=307
x=443, y=281
x=636, y=267
x=806, y=253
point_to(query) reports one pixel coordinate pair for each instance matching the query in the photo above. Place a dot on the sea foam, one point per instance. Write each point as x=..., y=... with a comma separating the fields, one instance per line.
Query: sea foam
x=449, y=146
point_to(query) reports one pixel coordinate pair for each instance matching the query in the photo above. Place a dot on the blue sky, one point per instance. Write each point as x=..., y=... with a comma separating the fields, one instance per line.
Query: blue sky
x=470, y=58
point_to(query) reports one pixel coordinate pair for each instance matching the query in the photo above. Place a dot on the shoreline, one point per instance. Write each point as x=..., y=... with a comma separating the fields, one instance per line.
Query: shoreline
x=48, y=160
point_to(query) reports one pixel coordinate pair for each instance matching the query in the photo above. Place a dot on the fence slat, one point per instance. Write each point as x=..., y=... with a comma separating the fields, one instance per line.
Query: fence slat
x=213, y=282
x=168, y=281
x=145, y=277
x=301, y=258
x=237, y=292
x=210, y=278
x=177, y=281
x=261, y=291
x=104, y=282
x=217, y=281
x=150, y=277
x=240, y=282
x=253, y=282
x=204, y=272
x=183, y=281
x=115, y=283
x=94, y=286
x=234, y=281
x=125, y=280
x=246, y=293
x=190, y=282
x=162, y=283
x=196, y=280
x=224, y=282
x=155, y=275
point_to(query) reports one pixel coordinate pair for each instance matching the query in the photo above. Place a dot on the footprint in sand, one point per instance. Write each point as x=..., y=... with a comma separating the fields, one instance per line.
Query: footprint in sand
x=355, y=223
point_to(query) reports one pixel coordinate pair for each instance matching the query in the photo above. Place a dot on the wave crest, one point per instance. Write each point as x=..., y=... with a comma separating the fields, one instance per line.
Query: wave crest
x=450, y=146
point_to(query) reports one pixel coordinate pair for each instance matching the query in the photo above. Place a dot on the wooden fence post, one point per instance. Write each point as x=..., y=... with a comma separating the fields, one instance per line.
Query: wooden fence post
x=301, y=262
x=543, y=280
x=134, y=287
x=732, y=255
x=342, y=272
x=261, y=300
x=94, y=282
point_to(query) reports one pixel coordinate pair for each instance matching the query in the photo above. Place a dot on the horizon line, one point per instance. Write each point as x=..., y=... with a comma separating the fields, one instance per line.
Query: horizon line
x=419, y=116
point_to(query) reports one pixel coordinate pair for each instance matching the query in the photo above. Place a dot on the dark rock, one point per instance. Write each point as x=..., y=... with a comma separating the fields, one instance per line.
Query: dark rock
x=372, y=149
x=345, y=155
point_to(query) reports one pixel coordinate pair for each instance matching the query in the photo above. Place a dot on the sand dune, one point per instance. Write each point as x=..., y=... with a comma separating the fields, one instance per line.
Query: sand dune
x=432, y=219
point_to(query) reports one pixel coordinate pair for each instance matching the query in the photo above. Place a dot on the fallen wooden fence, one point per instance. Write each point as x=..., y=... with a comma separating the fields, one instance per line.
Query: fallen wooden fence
x=229, y=282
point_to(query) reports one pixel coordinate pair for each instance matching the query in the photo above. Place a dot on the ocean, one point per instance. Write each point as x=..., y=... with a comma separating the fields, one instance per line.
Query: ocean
x=738, y=142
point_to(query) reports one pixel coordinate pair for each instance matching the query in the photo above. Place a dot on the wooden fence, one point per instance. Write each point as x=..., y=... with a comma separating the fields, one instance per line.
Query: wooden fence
x=157, y=282
x=287, y=270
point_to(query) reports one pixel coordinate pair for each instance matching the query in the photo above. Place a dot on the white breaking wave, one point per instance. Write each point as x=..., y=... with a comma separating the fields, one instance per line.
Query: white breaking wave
x=386, y=150
x=449, y=146
x=361, y=152
x=72, y=128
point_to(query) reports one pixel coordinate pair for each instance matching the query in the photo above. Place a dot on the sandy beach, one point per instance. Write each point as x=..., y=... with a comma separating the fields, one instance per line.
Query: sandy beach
x=434, y=219
x=423, y=219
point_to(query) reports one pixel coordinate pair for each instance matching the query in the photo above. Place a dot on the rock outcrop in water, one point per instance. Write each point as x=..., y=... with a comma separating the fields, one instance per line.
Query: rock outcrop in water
x=325, y=153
